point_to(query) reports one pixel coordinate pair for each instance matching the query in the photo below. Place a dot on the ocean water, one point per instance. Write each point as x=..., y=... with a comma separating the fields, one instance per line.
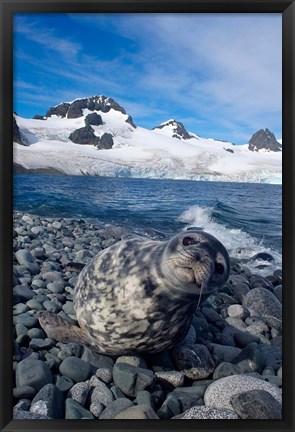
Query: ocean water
x=245, y=217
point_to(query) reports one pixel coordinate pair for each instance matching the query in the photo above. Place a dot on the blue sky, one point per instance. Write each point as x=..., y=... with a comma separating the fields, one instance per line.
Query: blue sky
x=219, y=74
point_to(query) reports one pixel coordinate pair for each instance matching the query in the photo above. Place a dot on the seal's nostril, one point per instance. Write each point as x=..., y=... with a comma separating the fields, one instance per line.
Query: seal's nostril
x=219, y=269
x=187, y=241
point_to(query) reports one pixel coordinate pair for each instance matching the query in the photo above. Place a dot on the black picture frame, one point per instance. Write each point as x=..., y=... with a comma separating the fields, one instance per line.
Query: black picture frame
x=7, y=9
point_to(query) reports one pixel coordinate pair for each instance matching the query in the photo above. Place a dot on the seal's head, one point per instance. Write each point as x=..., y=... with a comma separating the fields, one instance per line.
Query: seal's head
x=196, y=262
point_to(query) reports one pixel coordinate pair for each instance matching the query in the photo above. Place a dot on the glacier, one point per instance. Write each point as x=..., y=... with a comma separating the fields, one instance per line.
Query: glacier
x=138, y=152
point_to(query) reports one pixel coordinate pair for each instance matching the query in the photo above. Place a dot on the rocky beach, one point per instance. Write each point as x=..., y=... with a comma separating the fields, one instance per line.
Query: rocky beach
x=229, y=366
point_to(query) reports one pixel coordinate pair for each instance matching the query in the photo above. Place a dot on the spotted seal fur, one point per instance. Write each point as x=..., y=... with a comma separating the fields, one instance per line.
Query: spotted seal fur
x=139, y=295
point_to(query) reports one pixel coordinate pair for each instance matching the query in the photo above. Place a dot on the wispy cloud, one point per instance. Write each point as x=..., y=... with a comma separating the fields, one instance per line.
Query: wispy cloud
x=35, y=32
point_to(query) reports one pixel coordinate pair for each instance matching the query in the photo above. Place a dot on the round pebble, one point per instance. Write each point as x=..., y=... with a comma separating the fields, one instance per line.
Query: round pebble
x=219, y=393
x=266, y=304
x=207, y=413
x=75, y=369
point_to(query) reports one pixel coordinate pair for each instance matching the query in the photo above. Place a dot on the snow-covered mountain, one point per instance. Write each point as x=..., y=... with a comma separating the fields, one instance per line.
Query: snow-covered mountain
x=95, y=136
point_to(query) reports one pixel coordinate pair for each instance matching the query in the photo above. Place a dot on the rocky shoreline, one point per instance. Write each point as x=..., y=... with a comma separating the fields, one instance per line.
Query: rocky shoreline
x=228, y=367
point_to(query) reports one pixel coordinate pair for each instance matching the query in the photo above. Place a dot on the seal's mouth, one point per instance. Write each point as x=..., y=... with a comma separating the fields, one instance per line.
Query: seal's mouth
x=202, y=274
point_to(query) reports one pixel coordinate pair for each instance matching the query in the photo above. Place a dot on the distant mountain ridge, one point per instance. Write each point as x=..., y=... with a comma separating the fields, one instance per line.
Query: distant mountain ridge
x=95, y=136
x=177, y=128
x=264, y=139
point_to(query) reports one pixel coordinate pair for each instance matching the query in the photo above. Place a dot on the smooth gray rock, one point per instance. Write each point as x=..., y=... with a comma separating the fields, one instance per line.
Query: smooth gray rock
x=170, y=407
x=195, y=362
x=256, y=404
x=240, y=291
x=134, y=360
x=272, y=356
x=34, y=305
x=51, y=307
x=131, y=379
x=238, y=311
x=75, y=369
x=54, y=400
x=236, y=322
x=137, y=412
x=225, y=369
x=24, y=392
x=261, y=356
x=24, y=256
x=278, y=292
x=26, y=320
x=21, y=329
x=64, y=383
x=210, y=314
x=189, y=396
x=23, y=293
x=224, y=352
x=75, y=411
x=33, y=373
x=231, y=336
x=115, y=408
x=20, y=308
x=33, y=268
x=266, y=305
x=36, y=333
x=52, y=360
x=56, y=287
x=97, y=360
x=41, y=344
x=219, y=393
x=117, y=392
x=68, y=308
x=144, y=397
x=206, y=413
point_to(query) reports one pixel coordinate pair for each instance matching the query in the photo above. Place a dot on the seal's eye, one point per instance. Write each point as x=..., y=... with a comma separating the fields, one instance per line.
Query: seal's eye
x=219, y=269
x=187, y=241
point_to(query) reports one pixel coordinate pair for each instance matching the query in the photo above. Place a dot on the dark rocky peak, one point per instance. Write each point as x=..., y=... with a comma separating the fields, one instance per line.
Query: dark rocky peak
x=95, y=103
x=39, y=117
x=93, y=119
x=129, y=120
x=105, y=142
x=264, y=139
x=178, y=130
x=59, y=110
x=84, y=135
x=17, y=134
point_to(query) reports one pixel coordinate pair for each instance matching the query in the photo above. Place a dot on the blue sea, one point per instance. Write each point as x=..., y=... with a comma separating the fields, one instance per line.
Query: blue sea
x=245, y=217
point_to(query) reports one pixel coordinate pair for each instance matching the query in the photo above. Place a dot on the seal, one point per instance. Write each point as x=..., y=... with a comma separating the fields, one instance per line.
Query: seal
x=139, y=295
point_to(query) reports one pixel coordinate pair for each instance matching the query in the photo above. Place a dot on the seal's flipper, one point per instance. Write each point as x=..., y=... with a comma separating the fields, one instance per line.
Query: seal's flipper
x=60, y=329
